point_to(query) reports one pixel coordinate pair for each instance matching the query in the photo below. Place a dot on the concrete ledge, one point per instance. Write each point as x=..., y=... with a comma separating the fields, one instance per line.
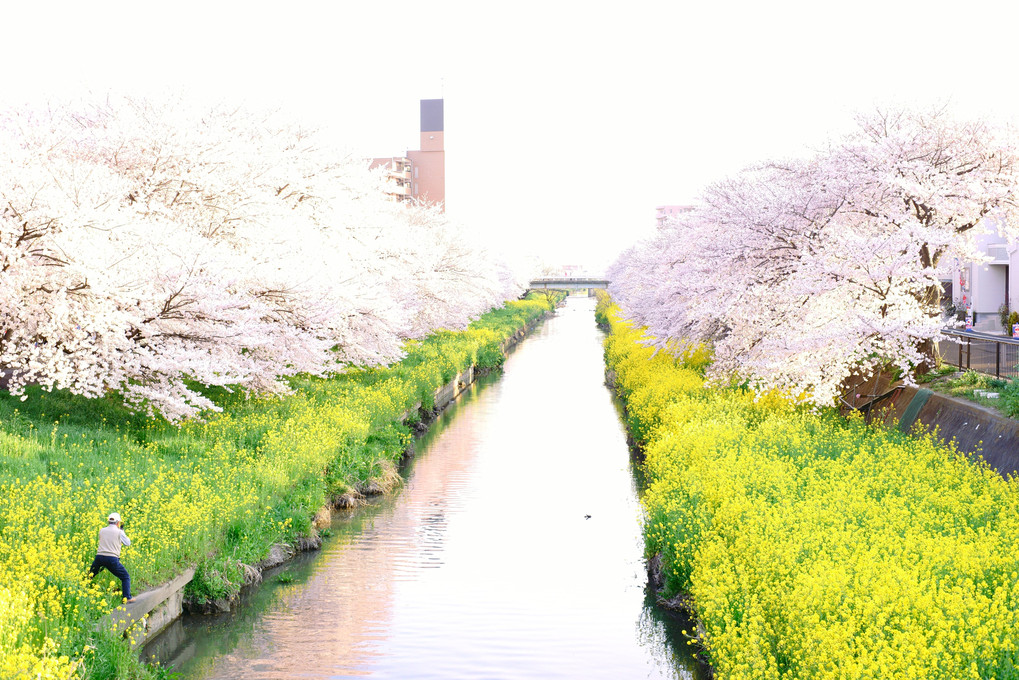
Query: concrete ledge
x=443, y=396
x=151, y=611
x=451, y=390
x=521, y=333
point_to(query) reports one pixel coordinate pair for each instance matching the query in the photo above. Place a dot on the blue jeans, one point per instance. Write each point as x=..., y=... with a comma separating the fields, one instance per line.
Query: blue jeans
x=116, y=568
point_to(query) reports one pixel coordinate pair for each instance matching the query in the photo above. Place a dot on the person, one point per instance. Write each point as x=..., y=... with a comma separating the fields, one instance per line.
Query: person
x=111, y=537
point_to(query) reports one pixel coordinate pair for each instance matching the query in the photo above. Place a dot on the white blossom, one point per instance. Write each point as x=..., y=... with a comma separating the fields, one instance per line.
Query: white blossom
x=145, y=248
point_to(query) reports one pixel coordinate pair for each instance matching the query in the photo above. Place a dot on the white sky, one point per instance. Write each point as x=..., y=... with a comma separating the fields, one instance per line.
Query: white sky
x=566, y=122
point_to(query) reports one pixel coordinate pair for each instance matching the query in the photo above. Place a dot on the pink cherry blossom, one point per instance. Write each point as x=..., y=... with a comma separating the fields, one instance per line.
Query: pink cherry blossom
x=801, y=273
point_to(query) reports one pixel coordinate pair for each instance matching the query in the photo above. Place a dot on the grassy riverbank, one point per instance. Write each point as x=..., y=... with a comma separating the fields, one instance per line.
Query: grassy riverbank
x=811, y=546
x=972, y=386
x=216, y=494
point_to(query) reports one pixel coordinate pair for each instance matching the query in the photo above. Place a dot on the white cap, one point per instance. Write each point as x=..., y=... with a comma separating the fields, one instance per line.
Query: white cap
x=114, y=517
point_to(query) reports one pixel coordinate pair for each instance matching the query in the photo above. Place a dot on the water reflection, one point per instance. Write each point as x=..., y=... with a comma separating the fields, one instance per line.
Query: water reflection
x=513, y=550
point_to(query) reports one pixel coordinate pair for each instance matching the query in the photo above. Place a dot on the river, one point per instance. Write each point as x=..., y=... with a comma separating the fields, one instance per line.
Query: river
x=512, y=551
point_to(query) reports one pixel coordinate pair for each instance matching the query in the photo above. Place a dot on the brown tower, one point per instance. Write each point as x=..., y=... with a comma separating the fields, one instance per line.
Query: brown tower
x=429, y=164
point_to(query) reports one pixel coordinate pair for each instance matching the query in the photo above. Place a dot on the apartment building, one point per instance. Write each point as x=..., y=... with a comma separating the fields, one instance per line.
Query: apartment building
x=420, y=175
x=400, y=172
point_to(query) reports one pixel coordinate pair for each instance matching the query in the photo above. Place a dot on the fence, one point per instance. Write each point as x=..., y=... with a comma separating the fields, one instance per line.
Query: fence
x=995, y=356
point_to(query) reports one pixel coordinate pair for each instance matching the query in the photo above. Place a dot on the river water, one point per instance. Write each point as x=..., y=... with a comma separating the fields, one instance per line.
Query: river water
x=512, y=551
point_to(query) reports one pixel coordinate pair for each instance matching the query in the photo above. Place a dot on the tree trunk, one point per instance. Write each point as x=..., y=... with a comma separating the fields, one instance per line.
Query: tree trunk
x=929, y=349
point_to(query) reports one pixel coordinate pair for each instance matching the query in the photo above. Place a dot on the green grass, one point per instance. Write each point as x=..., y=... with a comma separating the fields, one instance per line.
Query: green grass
x=965, y=384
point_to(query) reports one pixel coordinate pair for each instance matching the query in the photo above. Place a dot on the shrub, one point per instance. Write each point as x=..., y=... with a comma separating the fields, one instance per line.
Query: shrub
x=1010, y=399
x=604, y=302
x=971, y=377
x=1004, y=314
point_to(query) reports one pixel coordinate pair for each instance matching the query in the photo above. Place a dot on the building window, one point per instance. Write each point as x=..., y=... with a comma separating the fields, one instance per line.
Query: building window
x=415, y=173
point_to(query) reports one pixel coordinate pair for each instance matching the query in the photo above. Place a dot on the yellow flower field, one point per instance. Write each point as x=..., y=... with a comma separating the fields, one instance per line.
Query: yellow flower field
x=216, y=494
x=813, y=546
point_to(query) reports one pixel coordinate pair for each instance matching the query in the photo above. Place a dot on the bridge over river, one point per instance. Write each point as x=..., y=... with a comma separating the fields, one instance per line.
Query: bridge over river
x=570, y=283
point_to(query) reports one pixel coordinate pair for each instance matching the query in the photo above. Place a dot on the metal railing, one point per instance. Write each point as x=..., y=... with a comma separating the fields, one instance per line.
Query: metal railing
x=994, y=355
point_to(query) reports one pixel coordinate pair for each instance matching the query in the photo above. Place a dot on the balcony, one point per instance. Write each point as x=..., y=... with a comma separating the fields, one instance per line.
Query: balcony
x=998, y=254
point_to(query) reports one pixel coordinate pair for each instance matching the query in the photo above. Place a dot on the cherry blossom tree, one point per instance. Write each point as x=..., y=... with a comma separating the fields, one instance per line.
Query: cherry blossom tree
x=803, y=272
x=148, y=247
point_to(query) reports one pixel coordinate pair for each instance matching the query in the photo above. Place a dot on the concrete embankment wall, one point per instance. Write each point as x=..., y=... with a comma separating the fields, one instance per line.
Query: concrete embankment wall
x=461, y=381
x=976, y=430
x=451, y=390
x=154, y=610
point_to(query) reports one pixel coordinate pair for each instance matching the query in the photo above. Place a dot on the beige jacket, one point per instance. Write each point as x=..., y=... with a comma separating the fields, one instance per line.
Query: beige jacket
x=111, y=537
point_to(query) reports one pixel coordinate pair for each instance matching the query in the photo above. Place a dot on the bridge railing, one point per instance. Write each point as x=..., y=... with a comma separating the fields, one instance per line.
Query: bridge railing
x=573, y=280
x=986, y=354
